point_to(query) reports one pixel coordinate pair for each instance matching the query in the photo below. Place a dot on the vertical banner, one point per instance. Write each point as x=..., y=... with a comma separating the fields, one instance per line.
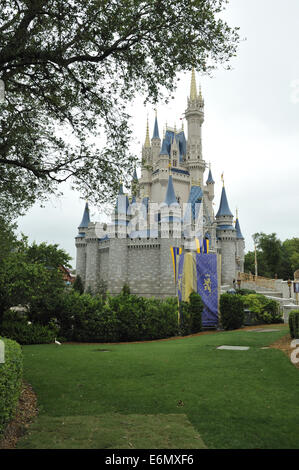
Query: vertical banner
x=175, y=252
x=180, y=277
x=207, y=287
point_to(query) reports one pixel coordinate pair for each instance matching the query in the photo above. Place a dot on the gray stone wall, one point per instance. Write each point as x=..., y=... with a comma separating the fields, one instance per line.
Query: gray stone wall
x=81, y=260
x=92, y=264
x=144, y=267
x=228, y=261
x=117, y=264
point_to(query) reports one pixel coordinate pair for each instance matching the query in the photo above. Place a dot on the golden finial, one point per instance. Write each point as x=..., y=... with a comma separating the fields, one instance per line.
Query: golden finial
x=174, y=128
x=147, y=138
x=237, y=213
x=222, y=178
x=193, y=92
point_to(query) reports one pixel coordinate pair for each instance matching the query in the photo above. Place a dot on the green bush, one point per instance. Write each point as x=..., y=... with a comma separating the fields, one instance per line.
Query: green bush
x=232, y=311
x=191, y=315
x=245, y=291
x=10, y=381
x=17, y=327
x=124, y=317
x=294, y=323
x=265, y=310
x=196, y=309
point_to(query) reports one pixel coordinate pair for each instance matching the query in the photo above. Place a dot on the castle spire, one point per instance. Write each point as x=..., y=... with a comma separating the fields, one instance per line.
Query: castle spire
x=170, y=198
x=238, y=228
x=147, y=138
x=223, y=208
x=193, y=91
x=135, y=177
x=210, y=177
x=156, y=128
x=85, y=219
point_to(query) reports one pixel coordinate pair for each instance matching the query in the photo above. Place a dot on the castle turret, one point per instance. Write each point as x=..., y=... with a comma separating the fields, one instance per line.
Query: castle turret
x=147, y=165
x=195, y=117
x=240, y=247
x=210, y=185
x=170, y=227
x=156, y=141
x=80, y=242
x=135, y=184
x=226, y=235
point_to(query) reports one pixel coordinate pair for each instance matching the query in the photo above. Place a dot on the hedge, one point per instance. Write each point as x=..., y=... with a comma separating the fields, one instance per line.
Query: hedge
x=124, y=317
x=294, y=323
x=10, y=381
x=265, y=310
x=231, y=311
x=17, y=327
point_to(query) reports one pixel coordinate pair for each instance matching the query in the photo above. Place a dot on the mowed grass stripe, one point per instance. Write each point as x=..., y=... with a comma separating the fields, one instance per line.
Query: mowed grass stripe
x=112, y=431
x=234, y=399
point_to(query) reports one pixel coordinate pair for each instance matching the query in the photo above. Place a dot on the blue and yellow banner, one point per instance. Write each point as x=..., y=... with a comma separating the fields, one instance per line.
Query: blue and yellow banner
x=207, y=287
x=198, y=272
x=202, y=246
x=175, y=252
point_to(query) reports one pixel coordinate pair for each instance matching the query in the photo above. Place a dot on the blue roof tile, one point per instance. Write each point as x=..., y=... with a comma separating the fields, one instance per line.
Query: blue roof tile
x=223, y=208
x=85, y=219
x=238, y=230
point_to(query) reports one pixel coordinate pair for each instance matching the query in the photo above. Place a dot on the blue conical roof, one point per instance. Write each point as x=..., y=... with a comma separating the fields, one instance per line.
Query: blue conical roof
x=210, y=178
x=170, y=198
x=223, y=208
x=135, y=177
x=156, y=129
x=85, y=219
x=238, y=230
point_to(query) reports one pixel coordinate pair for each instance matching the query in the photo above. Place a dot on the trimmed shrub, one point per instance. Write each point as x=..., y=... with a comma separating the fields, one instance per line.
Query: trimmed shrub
x=232, y=311
x=25, y=333
x=294, y=323
x=196, y=309
x=10, y=381
x=265, y=310
x=245, y=291
x=191, y=315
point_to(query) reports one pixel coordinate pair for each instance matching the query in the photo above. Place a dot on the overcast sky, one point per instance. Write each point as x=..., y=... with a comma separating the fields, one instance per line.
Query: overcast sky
x=251, y=130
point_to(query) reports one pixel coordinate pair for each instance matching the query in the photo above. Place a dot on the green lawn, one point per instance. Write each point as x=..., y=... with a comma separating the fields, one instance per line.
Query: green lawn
x=165, y=394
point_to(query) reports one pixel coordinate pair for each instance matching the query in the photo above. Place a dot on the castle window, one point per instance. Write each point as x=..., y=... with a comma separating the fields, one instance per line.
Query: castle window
x=174, y=163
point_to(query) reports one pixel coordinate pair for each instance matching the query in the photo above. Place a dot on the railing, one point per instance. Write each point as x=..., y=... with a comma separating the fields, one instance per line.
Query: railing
x=258, y=280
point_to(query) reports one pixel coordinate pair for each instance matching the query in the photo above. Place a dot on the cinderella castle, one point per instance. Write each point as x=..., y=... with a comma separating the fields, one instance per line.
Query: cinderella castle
x=171, y=204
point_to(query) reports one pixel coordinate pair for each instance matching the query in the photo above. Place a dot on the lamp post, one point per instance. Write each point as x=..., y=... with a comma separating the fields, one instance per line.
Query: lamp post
x=290, y=284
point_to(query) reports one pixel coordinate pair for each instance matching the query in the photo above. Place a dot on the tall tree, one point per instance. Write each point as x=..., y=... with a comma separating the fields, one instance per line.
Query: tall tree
x=274, y=256
x=71, y=67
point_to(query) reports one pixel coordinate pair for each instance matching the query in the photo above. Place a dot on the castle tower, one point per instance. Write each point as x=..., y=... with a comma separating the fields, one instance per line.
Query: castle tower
x=147, y=163
x=156, y=141
x=170, y=236
x=80, y=242
x=135, y=184
x=240, y=247
x=226, y=234
x=195, y=117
